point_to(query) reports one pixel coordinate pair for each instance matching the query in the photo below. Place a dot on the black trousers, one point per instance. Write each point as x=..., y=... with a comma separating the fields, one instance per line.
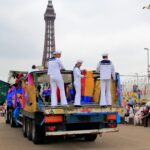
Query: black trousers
x=146, y=120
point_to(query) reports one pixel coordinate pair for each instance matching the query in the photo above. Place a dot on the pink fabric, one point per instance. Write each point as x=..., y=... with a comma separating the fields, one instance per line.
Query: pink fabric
x=30, y=79
x=23, y=98
x=15, y=100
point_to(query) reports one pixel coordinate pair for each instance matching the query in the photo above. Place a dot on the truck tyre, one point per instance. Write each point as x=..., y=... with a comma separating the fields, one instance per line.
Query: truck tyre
x=12, y=121
x=29, y=128
x=7, y=117
x=24, y=126
x=37, y=133
x=90, y=137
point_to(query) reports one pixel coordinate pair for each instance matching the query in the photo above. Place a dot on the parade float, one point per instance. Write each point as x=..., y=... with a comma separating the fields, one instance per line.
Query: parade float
x=28, y=105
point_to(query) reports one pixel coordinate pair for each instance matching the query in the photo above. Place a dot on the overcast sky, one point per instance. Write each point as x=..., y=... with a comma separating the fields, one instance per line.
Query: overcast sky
x=84, y=30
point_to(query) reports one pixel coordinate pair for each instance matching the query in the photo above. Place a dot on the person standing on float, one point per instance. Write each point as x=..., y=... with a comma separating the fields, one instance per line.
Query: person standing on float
x=77, y=82
x=106, y=70
x=54, y=71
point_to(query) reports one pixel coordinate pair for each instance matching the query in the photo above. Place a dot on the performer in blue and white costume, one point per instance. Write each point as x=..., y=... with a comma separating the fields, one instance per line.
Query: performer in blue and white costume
x=54, y=68
x=106, y=70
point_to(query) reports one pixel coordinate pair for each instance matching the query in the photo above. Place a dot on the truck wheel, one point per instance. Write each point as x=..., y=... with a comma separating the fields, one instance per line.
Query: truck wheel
x=12, y=121
x=29, y=128
x=90, y=137
x=37, y=133
x=24, y=126
x=7, y=117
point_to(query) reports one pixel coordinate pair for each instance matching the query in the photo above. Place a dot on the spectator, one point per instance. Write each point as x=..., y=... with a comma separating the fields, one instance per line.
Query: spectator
x=124, y=102
x=131, y=103
x=33, y=68
x=128, y=113
x=147, y=114
x=138, y=116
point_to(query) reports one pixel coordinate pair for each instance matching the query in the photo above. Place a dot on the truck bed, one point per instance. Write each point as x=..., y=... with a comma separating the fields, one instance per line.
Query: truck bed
x=47, y=109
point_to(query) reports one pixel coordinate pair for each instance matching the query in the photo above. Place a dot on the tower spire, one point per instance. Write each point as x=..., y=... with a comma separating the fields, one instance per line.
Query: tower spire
x=50, y=2
x=49, y=42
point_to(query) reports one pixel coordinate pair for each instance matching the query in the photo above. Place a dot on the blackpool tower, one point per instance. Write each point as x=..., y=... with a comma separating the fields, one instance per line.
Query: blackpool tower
x=49, y=41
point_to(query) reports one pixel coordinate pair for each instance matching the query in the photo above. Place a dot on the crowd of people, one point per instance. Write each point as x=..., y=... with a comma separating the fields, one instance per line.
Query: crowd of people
x=138, y=112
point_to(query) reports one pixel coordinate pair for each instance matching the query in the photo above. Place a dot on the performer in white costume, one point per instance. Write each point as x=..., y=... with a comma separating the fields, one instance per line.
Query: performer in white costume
x=106, y=70
x=77, y=82
x=54, y=68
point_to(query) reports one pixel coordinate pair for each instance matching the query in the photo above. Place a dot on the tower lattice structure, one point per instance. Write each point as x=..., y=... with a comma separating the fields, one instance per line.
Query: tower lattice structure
x=49, y=42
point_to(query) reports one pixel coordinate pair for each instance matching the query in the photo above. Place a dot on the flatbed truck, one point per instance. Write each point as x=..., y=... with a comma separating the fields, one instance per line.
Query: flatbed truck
x=39, y=119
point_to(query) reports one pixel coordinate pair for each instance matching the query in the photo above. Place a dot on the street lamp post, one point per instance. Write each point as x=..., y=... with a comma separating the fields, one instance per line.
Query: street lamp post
x=138, y=88
x=148, y=71
x=137, y=78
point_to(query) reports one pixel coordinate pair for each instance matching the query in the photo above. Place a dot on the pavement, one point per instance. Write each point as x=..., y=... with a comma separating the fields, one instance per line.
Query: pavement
x=129, y=137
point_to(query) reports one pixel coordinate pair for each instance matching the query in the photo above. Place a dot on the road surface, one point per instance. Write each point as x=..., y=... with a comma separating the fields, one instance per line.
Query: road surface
x=128, y=138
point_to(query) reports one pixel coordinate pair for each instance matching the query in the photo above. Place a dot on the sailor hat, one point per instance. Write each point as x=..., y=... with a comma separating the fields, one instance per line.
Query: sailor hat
x=104, y=54
x=79, y=61
x=56, y=52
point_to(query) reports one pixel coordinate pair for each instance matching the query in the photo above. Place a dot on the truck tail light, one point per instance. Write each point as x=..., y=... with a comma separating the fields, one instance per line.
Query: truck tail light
x=111, y=117
x=51, y=128
x=54, y=119
x=113, y=125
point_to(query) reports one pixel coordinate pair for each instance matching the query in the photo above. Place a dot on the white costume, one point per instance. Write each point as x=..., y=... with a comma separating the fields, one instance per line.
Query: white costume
x=138, y=116
x=54, y=67
x=77, y=84
x=128, y=113
x=106, y=70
